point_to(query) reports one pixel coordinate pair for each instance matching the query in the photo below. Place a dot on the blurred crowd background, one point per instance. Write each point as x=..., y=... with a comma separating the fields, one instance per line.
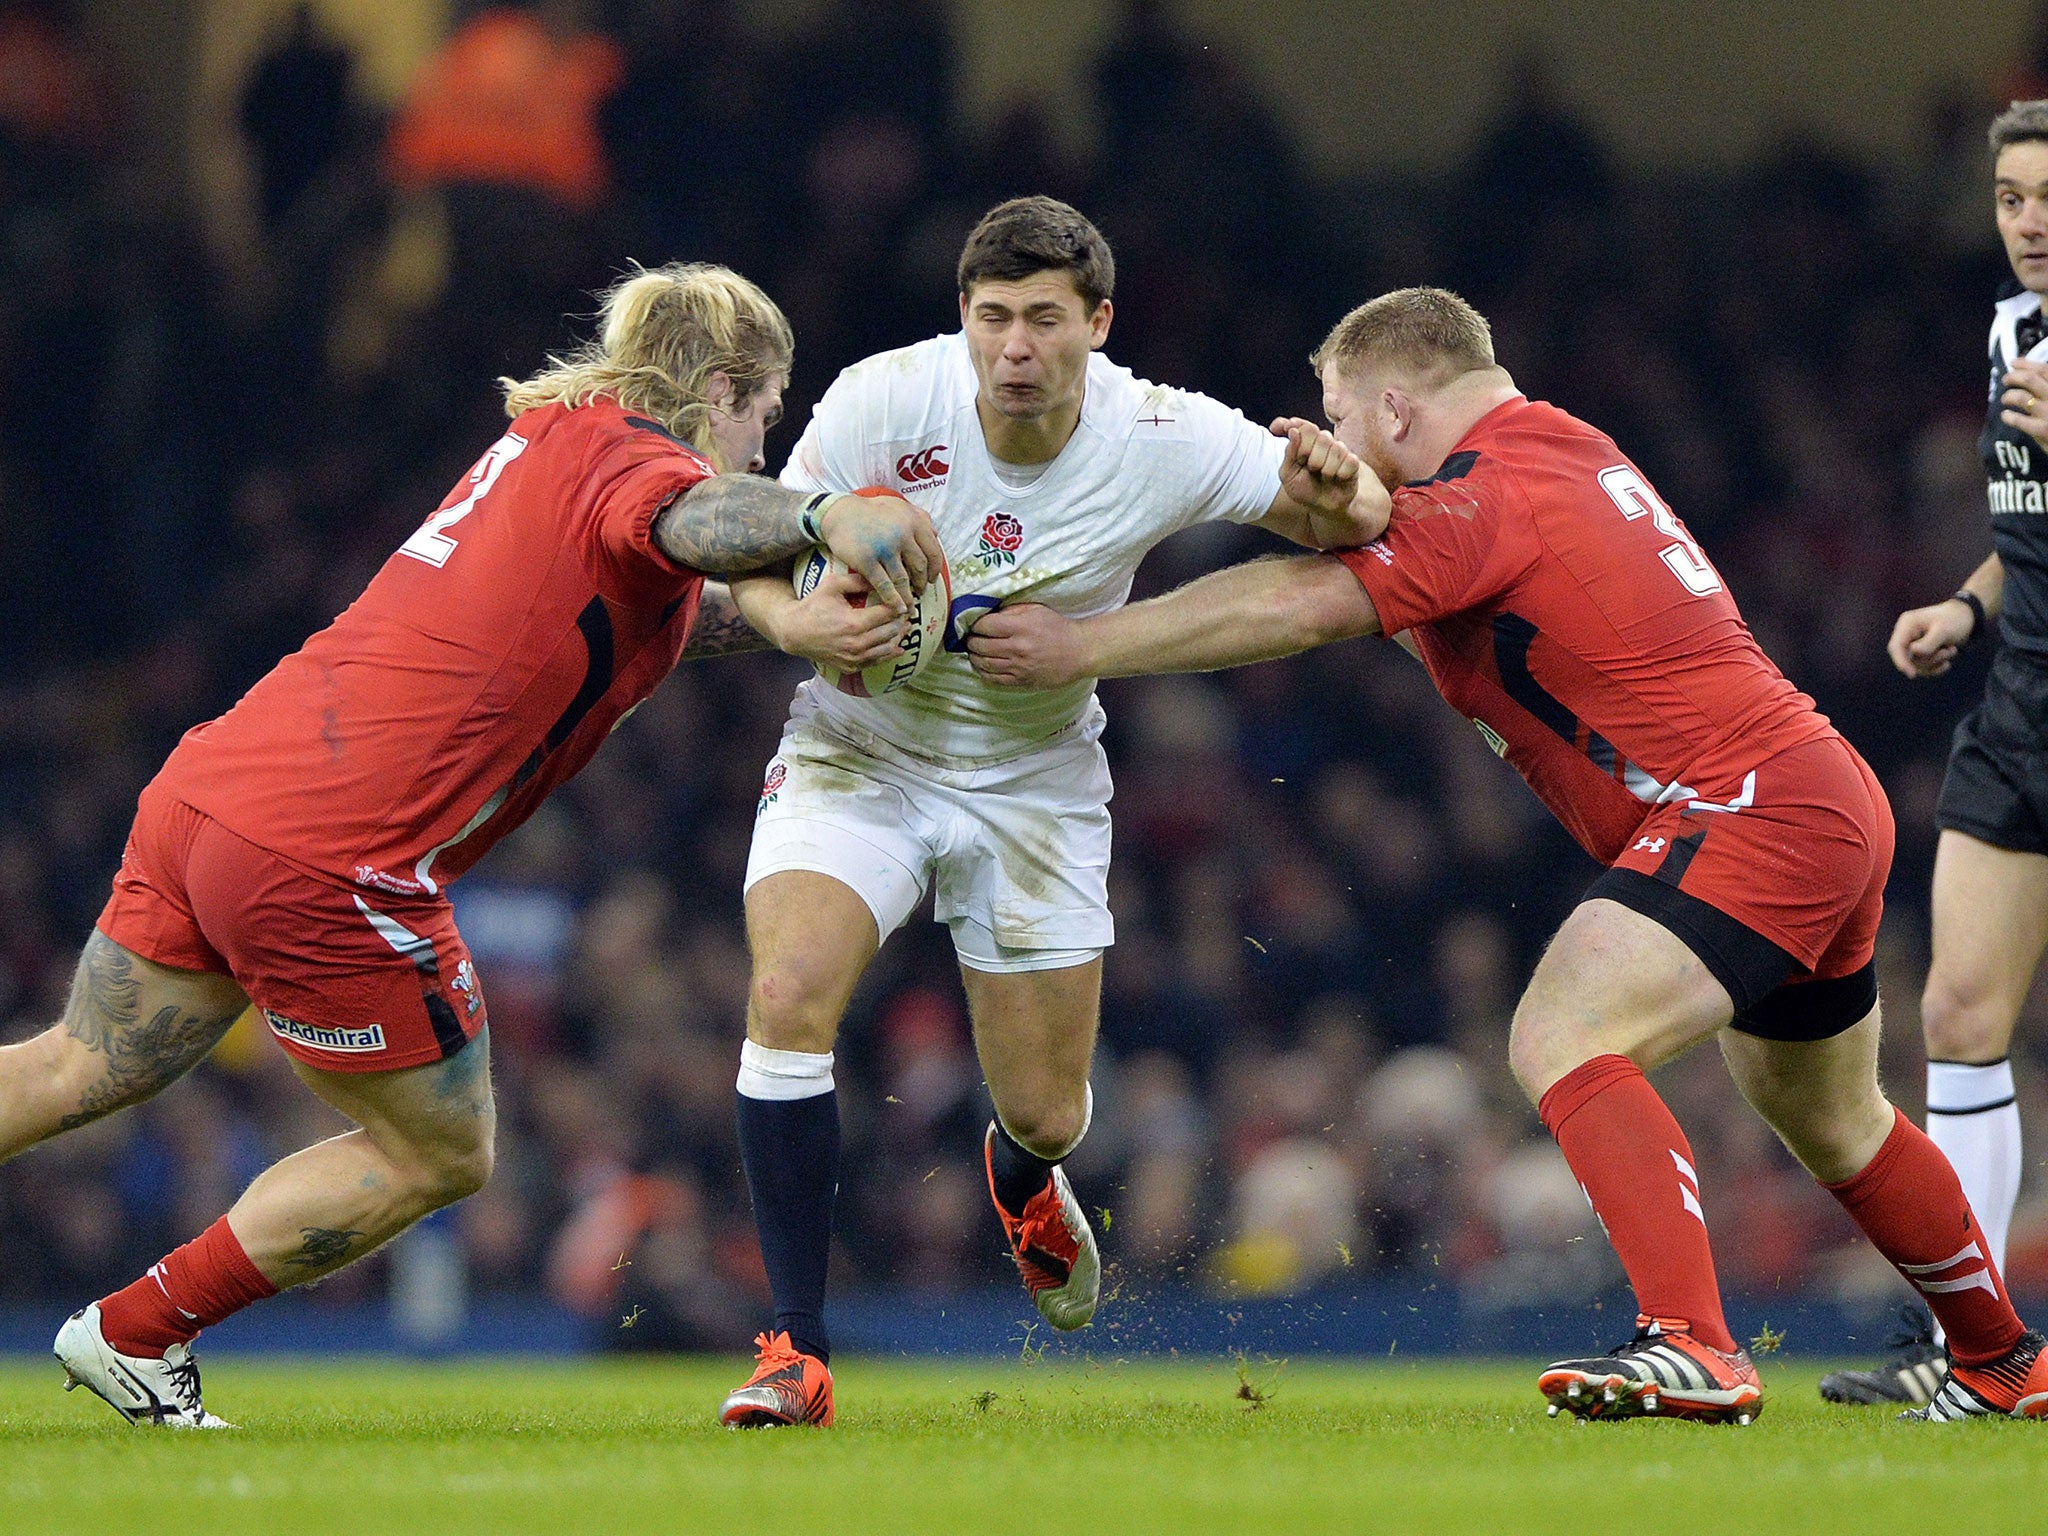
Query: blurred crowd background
x=1327, y=890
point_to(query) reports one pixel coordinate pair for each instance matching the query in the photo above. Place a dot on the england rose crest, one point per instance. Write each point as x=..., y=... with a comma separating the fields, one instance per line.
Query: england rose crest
x=1001, y=536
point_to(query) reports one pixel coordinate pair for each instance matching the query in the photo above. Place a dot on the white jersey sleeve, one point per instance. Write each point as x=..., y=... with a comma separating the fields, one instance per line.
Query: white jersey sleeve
x=1237, y=463
x=834, y=452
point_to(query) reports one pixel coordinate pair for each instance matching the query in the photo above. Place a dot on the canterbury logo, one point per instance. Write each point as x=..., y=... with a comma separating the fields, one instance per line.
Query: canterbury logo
x=925, y=464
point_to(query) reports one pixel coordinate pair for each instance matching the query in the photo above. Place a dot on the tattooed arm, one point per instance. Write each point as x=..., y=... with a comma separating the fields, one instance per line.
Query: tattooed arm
x=720, y=629
x=733, y=523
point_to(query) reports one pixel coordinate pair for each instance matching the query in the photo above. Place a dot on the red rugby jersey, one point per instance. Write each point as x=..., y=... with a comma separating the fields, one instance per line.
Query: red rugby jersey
x=1560, y=605
x=482, y=666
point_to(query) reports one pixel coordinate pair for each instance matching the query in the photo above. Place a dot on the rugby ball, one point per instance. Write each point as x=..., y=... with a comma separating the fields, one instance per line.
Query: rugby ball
x=921, y=641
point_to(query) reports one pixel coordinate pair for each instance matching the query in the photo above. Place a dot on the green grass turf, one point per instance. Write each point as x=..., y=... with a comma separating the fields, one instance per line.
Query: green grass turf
x=985, y=1447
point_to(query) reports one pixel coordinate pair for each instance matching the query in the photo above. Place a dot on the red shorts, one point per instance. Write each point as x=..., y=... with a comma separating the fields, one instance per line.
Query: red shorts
x=1797, y=860
x=347, y=983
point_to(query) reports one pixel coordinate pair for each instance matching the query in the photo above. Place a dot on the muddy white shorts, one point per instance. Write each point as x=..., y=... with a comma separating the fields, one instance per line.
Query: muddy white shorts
x=1016, y=852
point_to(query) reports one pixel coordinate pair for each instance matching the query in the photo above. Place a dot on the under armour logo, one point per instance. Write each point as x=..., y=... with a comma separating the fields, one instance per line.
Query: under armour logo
x=1649, y=845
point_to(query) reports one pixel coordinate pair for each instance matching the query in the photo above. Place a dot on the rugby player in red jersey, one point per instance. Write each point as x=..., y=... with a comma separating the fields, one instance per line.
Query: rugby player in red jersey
x=295, y=853
x=1558, y=603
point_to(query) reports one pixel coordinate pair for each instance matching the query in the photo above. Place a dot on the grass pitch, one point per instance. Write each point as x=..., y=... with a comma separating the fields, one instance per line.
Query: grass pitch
x=983, y=1447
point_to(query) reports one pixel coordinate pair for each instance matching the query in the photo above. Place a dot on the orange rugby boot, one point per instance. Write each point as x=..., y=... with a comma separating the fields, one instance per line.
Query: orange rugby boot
x=786, y=1388
x=1662, y=1372
x=1053, y=1245
x=2015, y=1385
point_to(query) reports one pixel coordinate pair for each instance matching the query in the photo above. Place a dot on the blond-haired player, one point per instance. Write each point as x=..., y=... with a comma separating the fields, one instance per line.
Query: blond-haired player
x=296, y=852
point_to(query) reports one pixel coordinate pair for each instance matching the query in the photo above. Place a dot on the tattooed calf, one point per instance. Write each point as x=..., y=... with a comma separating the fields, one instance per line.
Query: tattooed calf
x=322, y=1248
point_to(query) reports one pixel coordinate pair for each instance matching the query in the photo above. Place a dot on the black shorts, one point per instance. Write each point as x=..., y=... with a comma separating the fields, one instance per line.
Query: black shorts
x=1997, y=785
x=1774, y=997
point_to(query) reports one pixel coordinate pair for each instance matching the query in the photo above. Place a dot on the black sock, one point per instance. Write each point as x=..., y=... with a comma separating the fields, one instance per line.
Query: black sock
x=791, y=1150
x=1017, y=1174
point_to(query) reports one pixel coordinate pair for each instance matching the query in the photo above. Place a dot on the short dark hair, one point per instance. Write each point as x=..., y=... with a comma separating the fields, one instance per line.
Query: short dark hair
x=2019, y=123
x=1029, y=235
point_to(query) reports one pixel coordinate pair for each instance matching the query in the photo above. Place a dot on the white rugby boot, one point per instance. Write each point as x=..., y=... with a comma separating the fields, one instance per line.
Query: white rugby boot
x=141, y=1389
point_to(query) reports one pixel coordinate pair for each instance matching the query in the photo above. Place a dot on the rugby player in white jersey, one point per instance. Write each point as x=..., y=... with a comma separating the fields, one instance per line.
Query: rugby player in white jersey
x=1048, y=472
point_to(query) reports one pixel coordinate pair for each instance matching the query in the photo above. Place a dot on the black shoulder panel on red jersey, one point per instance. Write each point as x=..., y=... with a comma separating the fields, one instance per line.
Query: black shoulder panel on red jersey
x=654, y=426
x=1456, y=467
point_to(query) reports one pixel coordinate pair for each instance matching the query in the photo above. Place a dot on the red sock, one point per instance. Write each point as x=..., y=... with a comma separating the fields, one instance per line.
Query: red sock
x=1911, y=1206
x=190, y=1288
x=1634, y=1164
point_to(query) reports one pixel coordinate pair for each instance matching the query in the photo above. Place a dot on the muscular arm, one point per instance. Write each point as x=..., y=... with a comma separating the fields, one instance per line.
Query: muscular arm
x=732, y=523
x=834, y=627
x=1327, y=499
x=720, y=629
x=1229, y=618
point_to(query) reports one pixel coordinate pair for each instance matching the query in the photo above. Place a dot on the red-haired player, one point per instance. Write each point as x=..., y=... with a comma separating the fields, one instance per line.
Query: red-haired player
x=1558, y=603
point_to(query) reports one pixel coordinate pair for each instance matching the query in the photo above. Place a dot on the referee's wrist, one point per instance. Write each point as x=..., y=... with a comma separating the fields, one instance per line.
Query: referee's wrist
x=1975, y=604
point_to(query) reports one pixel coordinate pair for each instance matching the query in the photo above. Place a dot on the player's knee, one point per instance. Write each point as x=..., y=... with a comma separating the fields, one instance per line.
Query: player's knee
x=1539, y=1053
x=461, y=1173
x=1835, y=1135
x=444, y=1172
x=789, y=1010
x=1049, y=1128
x=1963, y=1020
x=76, y=1081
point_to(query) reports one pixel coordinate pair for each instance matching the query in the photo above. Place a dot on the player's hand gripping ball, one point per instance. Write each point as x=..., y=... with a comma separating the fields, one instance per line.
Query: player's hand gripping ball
x=921, y=640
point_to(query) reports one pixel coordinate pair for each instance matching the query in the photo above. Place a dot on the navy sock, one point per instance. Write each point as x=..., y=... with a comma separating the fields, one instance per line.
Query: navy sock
x=1017, y=1174
x=791, y=1150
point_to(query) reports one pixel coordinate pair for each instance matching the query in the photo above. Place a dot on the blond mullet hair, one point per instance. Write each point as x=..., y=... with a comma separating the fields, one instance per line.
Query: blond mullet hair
x=664, y=331
x=1428, y=333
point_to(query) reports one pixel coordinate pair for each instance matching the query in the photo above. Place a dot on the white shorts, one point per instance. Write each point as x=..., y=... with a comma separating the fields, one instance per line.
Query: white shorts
x=1018, y=851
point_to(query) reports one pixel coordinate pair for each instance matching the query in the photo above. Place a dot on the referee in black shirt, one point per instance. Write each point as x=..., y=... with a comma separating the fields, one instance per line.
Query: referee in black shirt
x=1991, y=866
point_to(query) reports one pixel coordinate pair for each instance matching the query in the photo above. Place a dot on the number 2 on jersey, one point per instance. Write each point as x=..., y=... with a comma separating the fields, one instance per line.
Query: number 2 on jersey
x=430, y=542
x=1630, y=492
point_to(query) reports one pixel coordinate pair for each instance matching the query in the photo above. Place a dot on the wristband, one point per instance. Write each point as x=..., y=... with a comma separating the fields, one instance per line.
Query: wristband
x=813, y=507
x=1975, y=604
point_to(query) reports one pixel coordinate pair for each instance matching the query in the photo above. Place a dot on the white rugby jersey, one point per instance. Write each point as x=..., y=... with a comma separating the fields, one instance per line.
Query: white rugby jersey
x=1145, y=462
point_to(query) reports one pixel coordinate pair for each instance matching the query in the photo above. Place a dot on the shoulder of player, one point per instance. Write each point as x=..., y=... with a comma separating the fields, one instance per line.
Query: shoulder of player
x=932, y=369
x=901, y=395
x=612, y=439
x=1122, y=406
x=1487, y=472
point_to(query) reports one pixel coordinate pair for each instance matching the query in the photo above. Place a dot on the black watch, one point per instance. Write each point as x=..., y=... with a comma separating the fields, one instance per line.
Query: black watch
x=1976, y=606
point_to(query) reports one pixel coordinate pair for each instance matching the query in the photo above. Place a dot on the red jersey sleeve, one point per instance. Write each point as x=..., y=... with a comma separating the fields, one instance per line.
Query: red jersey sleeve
x=635, y=480
x=1448, y=548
